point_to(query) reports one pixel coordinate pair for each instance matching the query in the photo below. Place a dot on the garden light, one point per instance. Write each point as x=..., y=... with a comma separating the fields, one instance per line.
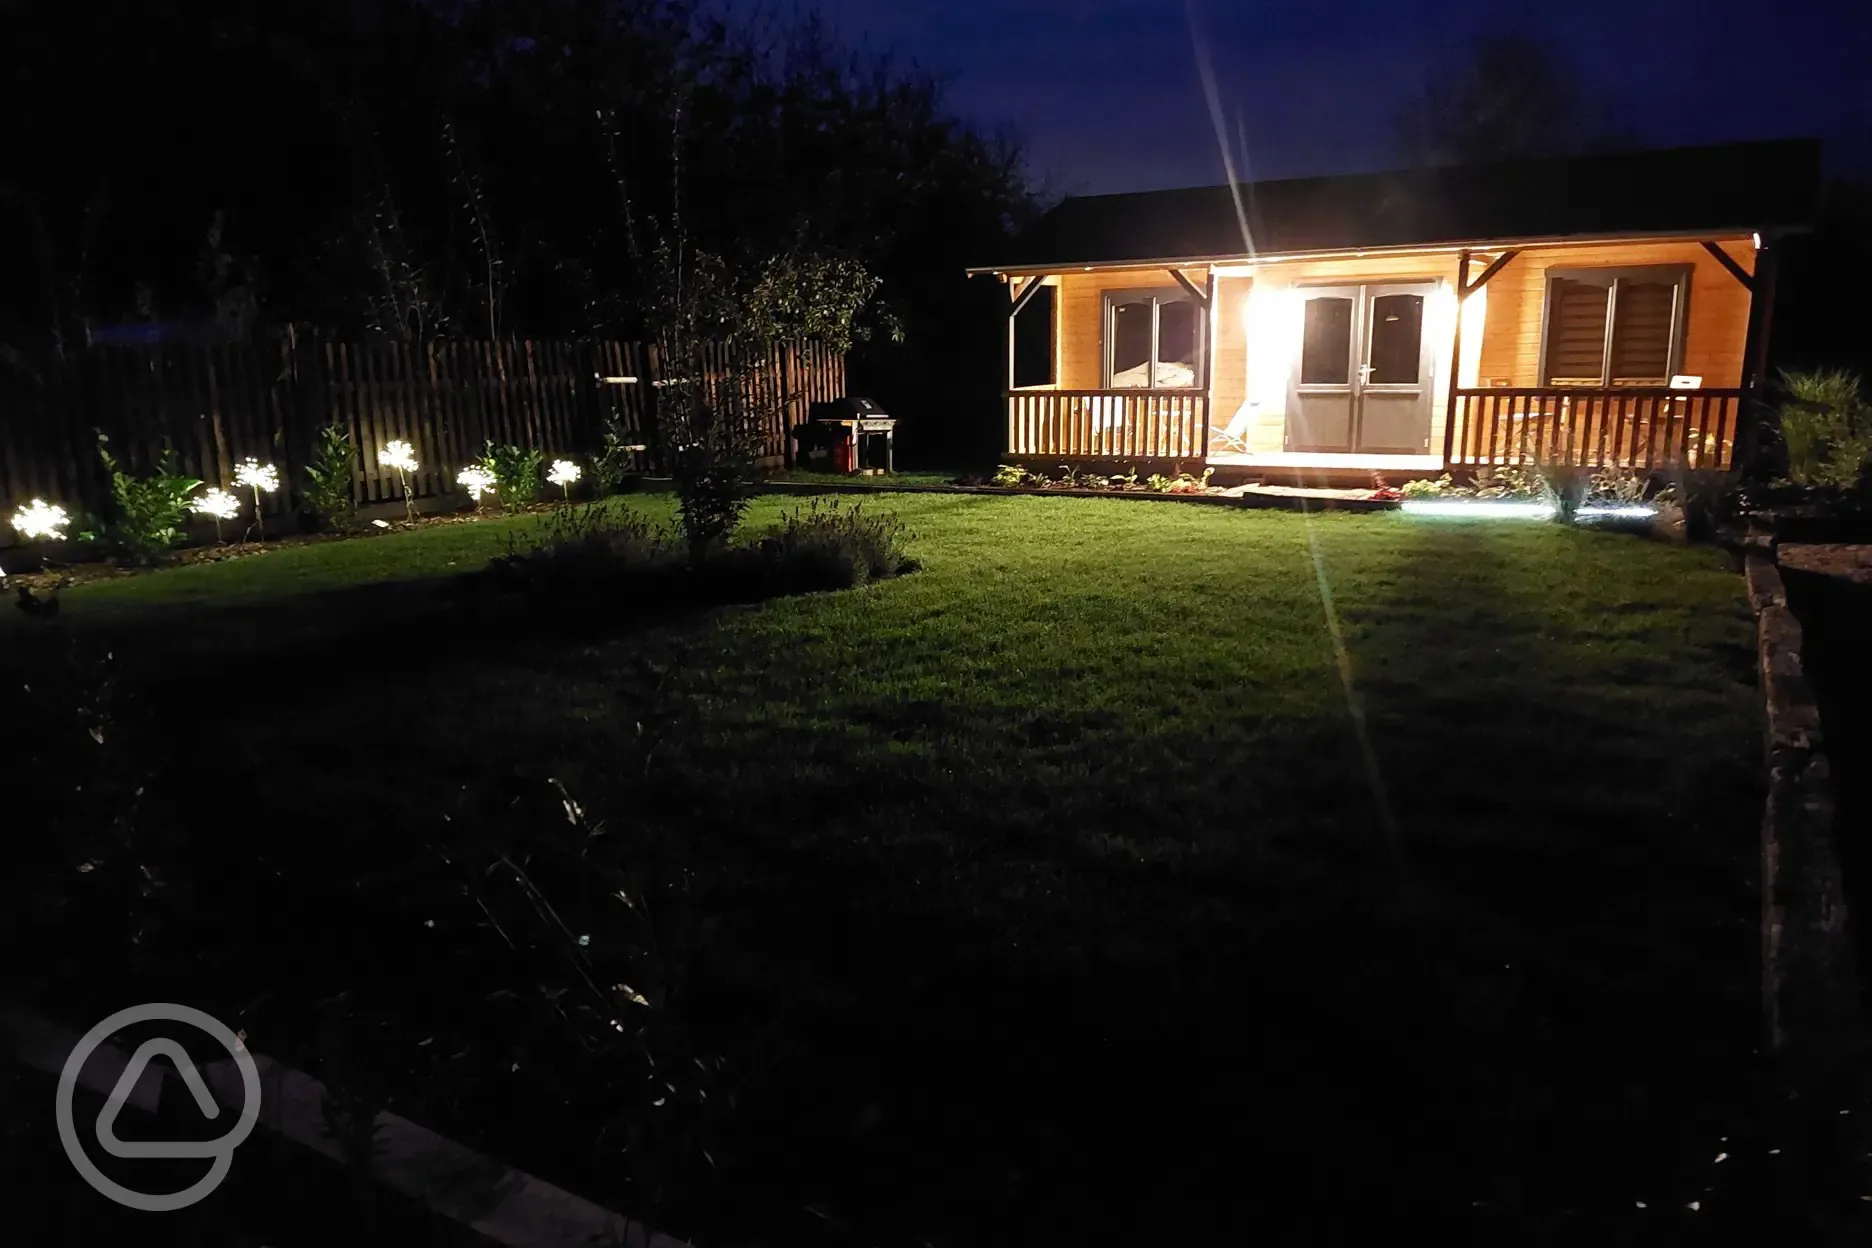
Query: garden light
x=476, y=480
x=256, y=476
x=219, y=504
x=260, y=478
x=401, y=456
x=1481, y=510
x=39, y=520
x=1629, y=511
x=564, y=473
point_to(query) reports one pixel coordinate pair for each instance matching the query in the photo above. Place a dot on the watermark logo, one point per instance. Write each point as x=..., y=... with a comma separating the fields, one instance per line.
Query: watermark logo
x=221, y=1150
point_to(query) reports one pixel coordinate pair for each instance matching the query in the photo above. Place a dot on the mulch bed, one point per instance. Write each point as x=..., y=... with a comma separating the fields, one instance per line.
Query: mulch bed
x=59, y=575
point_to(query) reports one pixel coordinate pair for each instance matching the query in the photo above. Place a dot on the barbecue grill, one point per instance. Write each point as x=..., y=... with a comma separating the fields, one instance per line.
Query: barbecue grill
x=836, y=433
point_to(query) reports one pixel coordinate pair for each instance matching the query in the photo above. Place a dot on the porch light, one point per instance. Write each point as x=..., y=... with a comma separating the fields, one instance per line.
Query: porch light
x=1479, y=510
x=1757, y=239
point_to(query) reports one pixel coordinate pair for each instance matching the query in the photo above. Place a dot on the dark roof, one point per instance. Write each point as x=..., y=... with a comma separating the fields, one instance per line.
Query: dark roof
x=1733, y=188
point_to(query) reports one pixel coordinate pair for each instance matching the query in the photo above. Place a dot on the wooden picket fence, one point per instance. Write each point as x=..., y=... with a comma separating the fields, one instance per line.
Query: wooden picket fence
x=217, y=405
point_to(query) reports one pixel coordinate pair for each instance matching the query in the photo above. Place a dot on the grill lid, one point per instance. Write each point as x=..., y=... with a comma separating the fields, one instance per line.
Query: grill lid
x=848, y=408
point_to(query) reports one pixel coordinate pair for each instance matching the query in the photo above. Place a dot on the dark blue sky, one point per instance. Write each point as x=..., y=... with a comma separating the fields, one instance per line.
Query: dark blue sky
x=1107, y=95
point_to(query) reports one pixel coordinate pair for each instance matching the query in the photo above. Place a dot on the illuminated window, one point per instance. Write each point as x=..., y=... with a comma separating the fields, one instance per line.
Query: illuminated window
x=1614, y=327
x=1153, y=340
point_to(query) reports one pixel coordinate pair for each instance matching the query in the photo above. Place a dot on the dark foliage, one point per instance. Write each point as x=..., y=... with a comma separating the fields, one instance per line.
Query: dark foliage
x=609, y=559
x=417, y=169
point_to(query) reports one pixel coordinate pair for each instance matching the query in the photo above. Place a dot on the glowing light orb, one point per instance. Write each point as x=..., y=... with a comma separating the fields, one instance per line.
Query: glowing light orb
x=254, y=475
x=564, y=472
x=476, y=480
x=38, y=519
x=399, y=455
x=217, y=503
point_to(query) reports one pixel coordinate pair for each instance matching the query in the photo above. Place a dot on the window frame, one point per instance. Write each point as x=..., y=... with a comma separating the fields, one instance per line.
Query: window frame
x=1610, y=276
x=1158, y=295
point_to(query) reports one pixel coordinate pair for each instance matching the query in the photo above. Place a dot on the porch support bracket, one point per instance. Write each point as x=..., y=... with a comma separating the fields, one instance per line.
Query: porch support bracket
x=1027, y=293
x=1495, y=266
x=1195, y=292
x=1728, y=262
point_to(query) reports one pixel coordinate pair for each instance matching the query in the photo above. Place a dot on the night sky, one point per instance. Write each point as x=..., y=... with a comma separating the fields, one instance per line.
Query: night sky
x=1106, y=93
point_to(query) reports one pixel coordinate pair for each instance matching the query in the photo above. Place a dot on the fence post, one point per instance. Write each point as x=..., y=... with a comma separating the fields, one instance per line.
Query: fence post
x=653, y=405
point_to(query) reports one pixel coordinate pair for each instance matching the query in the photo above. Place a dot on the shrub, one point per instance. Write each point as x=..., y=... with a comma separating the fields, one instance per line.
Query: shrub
x=1826, y=429
x=584, y=547
x=615, y=461
x=1008, y=477
x=1426, y=488
x=1619, y=485
x=826, y=545
x=147, y=513
x=327, y=490
x=516, y=472
x=602, y=554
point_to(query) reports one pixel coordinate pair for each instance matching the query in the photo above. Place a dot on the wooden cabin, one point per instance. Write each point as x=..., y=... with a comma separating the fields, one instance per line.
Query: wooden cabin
x=1588, y=312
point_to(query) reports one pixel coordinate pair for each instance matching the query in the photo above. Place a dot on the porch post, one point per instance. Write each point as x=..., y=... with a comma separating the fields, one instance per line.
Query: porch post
x=1755, y=349
x=1214, y=316
x=1455, y=362
x=1007, y=391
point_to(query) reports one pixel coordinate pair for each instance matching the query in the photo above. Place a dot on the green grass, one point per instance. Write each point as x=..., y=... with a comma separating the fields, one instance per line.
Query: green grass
x=1055, y=889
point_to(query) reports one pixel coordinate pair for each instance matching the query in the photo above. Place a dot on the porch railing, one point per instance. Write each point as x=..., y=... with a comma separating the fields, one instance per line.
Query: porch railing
x=1625, y=427
x=1109, y=424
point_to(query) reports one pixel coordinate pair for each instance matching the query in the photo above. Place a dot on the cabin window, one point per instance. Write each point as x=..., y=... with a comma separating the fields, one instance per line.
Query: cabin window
x=1153, y=340
x=1614, y=327
x=1034, y=345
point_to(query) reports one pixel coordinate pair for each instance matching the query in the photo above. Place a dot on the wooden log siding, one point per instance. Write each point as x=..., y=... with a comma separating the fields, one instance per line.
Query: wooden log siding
x=222, y=403
x=1642, y=428
x=1107, y=424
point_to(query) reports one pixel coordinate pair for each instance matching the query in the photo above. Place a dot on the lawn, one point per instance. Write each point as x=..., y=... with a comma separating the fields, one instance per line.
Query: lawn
x=1167, y=870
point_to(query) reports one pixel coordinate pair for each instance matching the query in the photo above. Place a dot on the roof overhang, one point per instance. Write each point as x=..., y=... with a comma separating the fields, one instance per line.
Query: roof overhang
x=1243, y=258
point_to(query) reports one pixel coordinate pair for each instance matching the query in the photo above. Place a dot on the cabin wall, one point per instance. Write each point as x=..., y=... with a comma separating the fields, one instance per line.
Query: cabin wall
x=1266, y=322
x=1715, y=330
x=1082, y=314
x=1255, y=325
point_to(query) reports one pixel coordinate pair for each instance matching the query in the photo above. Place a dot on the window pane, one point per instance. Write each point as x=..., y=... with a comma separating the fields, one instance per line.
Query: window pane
x=1326, y=352
x=1179, y=329
x=1576, y=332
x=1641, y=332
x=1396, y=339
x=1131, y=343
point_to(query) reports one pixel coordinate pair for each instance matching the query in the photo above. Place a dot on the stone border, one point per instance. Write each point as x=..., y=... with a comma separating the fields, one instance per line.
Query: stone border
x=1809, y=990
x=476, y=1191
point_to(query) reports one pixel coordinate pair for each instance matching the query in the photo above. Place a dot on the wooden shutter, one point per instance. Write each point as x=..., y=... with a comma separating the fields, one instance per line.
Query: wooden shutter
x=1642, y=326
x=1576, y=326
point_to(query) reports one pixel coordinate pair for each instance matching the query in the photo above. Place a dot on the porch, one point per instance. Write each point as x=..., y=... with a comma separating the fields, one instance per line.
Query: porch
x=1582, y=354
x=1644, y=429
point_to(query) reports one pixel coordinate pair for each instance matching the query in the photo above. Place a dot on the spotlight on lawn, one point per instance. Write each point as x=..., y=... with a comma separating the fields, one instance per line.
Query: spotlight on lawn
x=1480, y=509
x=1629, y=511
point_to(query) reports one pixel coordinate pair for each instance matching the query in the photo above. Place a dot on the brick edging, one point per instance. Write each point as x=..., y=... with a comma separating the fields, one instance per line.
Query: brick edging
x=494, y=1201
x=1251, y=502
x=1809, y=989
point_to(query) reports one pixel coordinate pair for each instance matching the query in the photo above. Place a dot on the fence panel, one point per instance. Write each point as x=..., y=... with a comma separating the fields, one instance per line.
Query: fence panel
x=218, y=404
